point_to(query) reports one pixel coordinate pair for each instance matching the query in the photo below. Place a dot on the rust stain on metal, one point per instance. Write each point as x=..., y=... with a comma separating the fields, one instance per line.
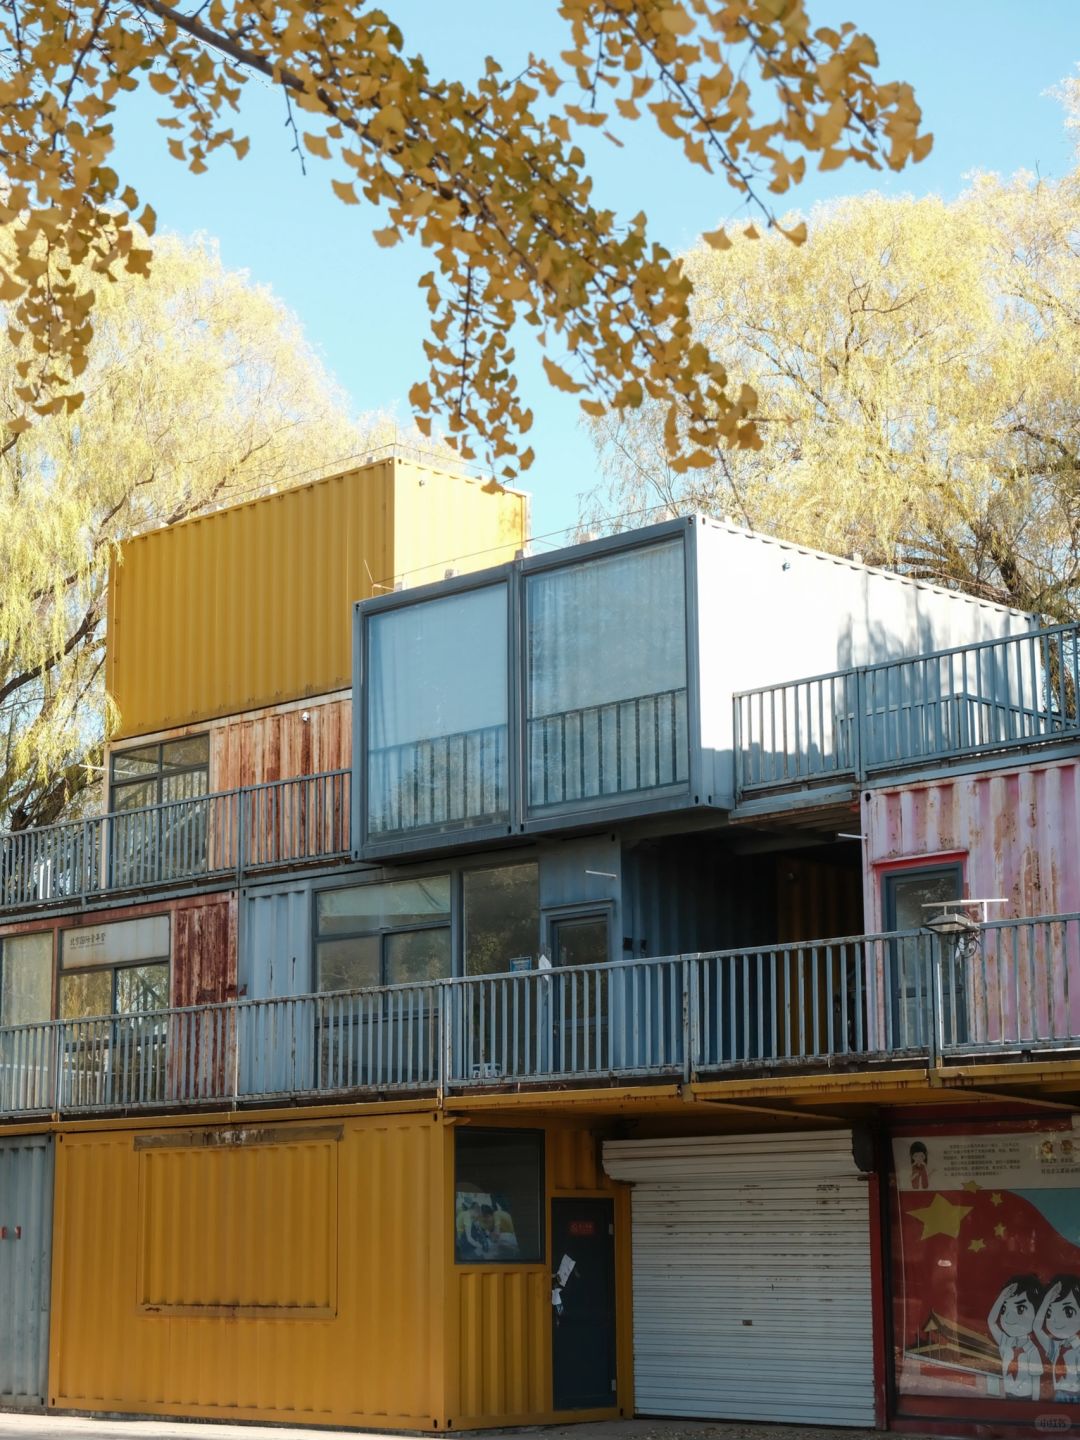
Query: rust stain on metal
x=1015, y=830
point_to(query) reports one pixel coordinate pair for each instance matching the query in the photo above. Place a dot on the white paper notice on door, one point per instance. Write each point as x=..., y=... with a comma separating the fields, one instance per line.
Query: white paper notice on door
x=565, y=1270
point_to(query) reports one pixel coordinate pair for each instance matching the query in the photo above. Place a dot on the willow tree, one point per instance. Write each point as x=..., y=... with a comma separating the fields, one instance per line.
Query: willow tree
x=916, y=368
x=490, y=176
x=199, y=388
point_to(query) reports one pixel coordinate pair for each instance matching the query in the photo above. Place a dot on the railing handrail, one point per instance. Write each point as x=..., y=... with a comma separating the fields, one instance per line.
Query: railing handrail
x=90, y=855
x=995, y=642
x=986, y=697
x=241, y=790
x=797, y=1002
x=924, y=657
x=607, y=704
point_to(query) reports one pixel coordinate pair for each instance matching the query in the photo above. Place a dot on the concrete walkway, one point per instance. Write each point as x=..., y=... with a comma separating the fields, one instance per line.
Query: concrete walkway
x=45, y=1427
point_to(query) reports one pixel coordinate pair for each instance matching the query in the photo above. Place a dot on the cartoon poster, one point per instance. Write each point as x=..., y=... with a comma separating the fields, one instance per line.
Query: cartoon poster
x=484, y=1227
x=986, y=1270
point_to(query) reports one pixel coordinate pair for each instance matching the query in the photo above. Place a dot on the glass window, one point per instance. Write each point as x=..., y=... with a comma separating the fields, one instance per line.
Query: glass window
x=378, y=907
x=498, y=1196
x=437, y=713
x=118, y=968
x=606, y=718
x=581, y=941
x=352, y=964
x=413, y=956
x=907, y=894
x=168, y=784
x=86, y=993
x=26, y=964
x=502, y=918
x=154, y=774
x=141, y=989
x=392, y=934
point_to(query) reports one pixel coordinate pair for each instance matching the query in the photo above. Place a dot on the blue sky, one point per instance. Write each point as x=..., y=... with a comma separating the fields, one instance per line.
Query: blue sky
x=981, y=69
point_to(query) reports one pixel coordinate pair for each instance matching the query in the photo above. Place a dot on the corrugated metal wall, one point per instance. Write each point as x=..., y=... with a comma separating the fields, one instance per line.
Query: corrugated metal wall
x=204, y=950
x=202, y=941
x=239, y=1335
x=444, y=522
x=682, y=895
x=26, y=1208
x=1017, y=830
x=249, y=607
x=277, y=744
x=276, y=952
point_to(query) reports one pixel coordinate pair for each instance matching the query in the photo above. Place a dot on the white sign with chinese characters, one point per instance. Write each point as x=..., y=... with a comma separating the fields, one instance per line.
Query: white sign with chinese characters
x=122, y=942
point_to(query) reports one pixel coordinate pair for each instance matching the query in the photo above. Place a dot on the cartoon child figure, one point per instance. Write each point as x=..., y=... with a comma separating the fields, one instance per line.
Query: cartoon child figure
x=1012, y=1321
x=1057, y=1329
x=920, y=1179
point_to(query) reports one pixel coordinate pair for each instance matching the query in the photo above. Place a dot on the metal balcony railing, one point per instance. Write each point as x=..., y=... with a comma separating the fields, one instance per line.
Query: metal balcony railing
x=230, y=833
x=623, y=747
x=972, y=700
x=1009, y=987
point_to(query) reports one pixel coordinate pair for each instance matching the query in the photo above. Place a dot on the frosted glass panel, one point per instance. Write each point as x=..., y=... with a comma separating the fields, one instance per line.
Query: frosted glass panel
x=26, y=964
x=607, y=676
x=437, y=713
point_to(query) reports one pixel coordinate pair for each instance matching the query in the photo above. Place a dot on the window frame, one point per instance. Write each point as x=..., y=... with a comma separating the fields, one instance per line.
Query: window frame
x=697, y=790
x=616, y=804
x=899, y=996
x=382, y=931
x=158, y=776
x=511, y=860
x=441, y=832
x=60, y=970
x=54, y=992
x=537, y=1261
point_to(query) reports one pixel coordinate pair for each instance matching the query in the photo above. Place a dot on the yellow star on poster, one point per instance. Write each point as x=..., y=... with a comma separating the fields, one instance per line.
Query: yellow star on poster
x=976, y=1246
x=971, y=1186
x=940, y=1217
x=995, y=1199
x=999, y=1231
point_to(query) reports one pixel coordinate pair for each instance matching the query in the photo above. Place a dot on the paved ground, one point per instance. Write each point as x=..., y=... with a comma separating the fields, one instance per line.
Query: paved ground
x=38, y=1427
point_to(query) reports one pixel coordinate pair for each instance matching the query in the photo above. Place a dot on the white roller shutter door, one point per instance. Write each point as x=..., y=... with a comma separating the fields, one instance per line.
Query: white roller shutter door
x=751, y=1265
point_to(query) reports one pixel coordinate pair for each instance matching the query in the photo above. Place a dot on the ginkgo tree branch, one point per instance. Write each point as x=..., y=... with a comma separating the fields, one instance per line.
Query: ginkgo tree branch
x=488, y=176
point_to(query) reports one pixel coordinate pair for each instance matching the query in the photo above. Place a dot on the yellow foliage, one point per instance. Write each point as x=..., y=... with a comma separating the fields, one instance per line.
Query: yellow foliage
x=914, y=375
x=492, y=183
x=199, y=390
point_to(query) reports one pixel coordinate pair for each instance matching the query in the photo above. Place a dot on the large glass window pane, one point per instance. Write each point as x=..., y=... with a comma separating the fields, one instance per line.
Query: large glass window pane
x=607, y=718
x=26, y=979
x=499, y=1196
x=437, y=713
x=502, y=918
x=348, y=964
x=134, y=797
x=127, y=764
x=186, y=754
x=89, y=993
x=169, y=842
x=413, y=956
x=142, y=988
x=379, y=907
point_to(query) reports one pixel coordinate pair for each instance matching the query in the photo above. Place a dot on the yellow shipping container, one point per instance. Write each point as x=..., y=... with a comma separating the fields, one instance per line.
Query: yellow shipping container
x=258, y=1271
x=251, y=606
x=303, y=1270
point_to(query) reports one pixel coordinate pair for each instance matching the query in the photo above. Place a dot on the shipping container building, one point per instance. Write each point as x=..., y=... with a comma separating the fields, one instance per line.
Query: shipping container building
x=653, y=988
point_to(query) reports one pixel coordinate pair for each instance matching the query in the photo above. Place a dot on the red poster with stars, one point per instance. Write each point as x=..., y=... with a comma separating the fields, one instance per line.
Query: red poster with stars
x=986, y=1272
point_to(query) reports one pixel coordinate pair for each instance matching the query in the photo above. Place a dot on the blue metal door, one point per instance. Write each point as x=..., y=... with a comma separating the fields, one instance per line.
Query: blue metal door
x=26, y=1195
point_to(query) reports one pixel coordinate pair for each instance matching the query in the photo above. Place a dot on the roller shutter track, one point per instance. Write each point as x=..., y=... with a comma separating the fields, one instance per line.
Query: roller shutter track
x=751, y=1261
